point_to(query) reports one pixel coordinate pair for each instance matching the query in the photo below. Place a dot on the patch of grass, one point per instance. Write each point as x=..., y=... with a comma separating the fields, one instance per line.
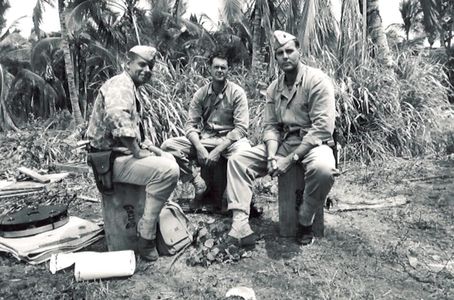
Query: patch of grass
x=391, y=113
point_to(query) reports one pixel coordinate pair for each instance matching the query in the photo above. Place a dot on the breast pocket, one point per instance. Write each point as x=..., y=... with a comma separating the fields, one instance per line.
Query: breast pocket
x=300, y=107
x=302, y=99
x=224, y=116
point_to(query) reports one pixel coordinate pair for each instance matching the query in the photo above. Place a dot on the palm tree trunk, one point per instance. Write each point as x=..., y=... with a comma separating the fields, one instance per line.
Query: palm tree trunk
x=307, y=26
x=292, y=17
x=377, y=34
x=77, y=115
x=175, y=11
x=6, y=123
x=256, y=25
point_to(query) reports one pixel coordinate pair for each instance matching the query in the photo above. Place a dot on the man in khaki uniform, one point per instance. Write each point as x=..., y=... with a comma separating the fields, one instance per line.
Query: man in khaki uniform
x=299, y=123
x=218, y=120
x=115, y=125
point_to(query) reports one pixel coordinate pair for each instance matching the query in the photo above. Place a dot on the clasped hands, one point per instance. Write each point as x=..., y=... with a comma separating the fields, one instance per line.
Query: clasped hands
x=278, y=165
x=206, y=158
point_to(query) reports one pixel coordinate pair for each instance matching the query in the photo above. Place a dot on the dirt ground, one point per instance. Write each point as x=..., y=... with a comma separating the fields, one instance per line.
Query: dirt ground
x=400, y=252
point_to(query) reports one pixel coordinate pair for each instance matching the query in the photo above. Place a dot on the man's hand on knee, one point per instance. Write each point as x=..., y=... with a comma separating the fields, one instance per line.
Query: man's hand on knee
x=142, y=153
x=167, y=155
x=202, y=155
x=282, y=166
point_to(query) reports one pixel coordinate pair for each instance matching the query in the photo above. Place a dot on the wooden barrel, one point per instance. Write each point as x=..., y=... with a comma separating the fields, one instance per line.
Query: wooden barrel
x=121, y=212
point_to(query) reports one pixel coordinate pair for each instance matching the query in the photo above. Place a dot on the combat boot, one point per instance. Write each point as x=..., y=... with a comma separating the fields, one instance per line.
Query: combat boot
x=147, y=249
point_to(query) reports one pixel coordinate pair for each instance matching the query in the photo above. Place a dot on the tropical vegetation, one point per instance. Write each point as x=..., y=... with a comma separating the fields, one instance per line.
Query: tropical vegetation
x=390, y=89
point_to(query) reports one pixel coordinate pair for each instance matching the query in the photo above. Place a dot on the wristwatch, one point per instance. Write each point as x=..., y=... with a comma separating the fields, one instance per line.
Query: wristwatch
x=295, y=158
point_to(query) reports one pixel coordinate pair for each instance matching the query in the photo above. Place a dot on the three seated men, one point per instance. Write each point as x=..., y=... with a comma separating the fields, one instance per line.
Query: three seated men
x=299, y=123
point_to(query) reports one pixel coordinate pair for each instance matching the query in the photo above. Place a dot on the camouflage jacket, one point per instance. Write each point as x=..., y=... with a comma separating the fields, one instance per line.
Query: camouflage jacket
x=116, y=113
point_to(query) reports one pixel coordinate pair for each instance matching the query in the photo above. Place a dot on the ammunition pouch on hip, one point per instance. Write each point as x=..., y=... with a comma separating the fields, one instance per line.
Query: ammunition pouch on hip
x=102, y=164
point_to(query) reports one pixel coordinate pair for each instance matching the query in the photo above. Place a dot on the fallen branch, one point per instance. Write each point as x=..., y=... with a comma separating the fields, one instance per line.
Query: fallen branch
x=79, y=168
x=21, y=185
x=444, y=176
x=86, y=198
x=11, y=192
x=21, y=194
x=340, y=206
x=33, y=174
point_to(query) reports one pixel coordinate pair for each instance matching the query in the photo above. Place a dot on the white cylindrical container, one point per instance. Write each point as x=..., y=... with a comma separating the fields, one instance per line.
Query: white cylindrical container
x=96, y=265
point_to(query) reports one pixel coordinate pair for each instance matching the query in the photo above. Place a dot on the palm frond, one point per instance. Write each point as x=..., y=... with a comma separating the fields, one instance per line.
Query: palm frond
x=12, y=26
x=97, y=48
x=36, y=81
x=41, y=49
x=21, y=100
x=77, y=17
x=266, y=25
x=307, y=24
x=431, y=11
x=232, y=11
x=202, y=33
x=19, y=55
x=349, y=46
x=37, y=16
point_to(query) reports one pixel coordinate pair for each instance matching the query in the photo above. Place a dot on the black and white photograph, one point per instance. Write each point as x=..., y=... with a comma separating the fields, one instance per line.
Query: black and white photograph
x=226, y=149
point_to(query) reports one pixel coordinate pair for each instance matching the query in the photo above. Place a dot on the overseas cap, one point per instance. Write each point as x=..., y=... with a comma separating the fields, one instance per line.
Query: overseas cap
x=281, y=38
x=146, y=52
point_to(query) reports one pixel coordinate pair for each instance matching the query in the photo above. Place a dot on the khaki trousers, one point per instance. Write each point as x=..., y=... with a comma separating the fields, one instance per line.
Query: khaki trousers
x=159, y=175
x=244, y=167
x=184, y=152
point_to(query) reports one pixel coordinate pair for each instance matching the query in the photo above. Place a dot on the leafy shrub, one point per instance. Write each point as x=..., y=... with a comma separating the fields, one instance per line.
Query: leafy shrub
x=381, y=112
x=385, y=112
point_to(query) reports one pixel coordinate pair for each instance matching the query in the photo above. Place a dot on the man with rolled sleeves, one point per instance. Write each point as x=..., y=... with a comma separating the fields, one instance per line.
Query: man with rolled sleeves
x=218, y=120
x=115, y=125
x=298, y=128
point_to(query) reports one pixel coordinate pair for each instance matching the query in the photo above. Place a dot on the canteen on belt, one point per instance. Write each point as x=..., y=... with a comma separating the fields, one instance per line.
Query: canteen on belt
x=33, y=220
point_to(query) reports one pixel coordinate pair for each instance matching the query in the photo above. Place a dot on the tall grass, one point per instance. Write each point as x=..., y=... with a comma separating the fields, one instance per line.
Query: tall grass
x=167, y=100
x=382, y=112
x=169, y=94
x=391, y=112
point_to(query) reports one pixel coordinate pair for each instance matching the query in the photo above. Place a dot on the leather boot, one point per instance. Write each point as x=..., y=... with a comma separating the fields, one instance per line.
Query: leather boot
x=147, y=249
x=306, y=236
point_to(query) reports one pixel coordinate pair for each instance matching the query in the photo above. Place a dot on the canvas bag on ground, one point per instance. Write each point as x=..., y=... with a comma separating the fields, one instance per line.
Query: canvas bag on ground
x=174, y=230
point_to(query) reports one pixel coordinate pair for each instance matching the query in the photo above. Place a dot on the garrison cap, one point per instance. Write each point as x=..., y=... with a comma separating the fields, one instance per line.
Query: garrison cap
x=146, y=52
x=280, y=38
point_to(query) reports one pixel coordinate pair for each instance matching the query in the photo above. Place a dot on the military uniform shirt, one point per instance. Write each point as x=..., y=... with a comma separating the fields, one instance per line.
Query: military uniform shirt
x=305, y=110
x=223, y=114
x=115, y=113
